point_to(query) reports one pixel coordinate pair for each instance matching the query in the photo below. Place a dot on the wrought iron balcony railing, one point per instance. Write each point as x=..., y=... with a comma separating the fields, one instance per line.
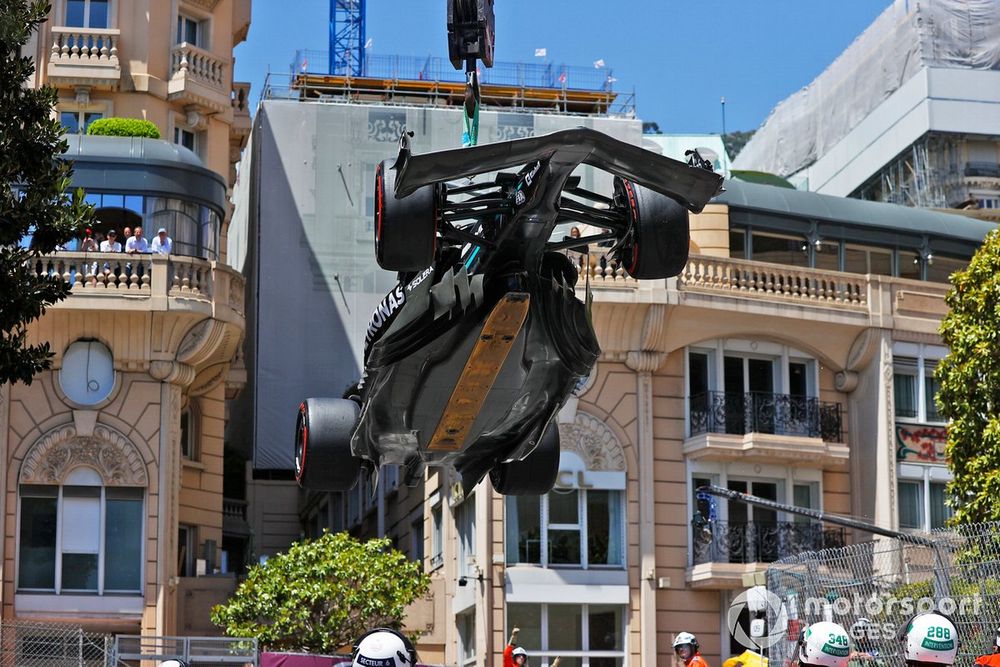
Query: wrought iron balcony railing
x=762, y=412
x=759, y=542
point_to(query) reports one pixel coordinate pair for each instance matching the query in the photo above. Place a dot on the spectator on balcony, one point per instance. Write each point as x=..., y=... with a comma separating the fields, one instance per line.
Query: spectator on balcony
x=89, y=244
x=137, y=245
x=111, y=243
x=162, y=244
x=126, y=235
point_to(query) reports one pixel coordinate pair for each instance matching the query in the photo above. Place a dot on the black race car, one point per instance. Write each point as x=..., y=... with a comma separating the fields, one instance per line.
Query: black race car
x=468, y=360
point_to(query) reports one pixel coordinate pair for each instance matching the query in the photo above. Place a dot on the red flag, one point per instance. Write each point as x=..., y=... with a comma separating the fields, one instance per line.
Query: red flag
x=562, y=78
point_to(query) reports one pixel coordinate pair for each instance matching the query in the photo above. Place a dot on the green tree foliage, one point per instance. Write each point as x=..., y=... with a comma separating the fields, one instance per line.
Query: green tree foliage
x=322, y=594
x=969, y=378
x=735, y=141
x=124, y=127
x=34, y=201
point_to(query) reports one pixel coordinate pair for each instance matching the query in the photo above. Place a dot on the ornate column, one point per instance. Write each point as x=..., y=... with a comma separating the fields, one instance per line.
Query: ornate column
x=644, y=362
x=172, y=376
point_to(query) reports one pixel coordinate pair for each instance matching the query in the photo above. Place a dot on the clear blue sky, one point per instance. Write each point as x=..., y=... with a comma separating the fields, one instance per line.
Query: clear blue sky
x=680, y=56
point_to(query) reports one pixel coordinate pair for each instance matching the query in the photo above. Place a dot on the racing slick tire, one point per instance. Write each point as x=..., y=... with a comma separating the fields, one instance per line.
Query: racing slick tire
x=323, y=458
x=406, y=228
x=659, y=232
x=536, y=474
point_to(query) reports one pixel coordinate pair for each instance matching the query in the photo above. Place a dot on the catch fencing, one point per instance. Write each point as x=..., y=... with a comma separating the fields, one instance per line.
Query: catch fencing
x=886, y=581
x=27, y=644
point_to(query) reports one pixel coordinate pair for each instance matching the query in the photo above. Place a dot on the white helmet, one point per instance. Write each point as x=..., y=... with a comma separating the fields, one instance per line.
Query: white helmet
x=686, y=638
x=384, y=648
x=929, y=637
x=519, y=651
x=824, y=644
x=173, y=663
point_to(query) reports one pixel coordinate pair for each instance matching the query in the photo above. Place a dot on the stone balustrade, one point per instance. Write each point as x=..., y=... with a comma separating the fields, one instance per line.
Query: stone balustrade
x=174, y=276
x=84, y=57
x=85, y=46
x=773, y=281
x=601, y=271
x=190, y=62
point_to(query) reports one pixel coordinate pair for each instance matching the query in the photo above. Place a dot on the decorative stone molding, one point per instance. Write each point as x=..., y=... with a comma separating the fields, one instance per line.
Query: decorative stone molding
x=644, y=361
x=172, y=372
x=594, y=442
x=207, y=5
x=209, y=379
x=845, y=381
x=61, y=450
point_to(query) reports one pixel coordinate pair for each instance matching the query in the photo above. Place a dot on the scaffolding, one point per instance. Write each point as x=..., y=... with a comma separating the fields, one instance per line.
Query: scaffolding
x=404, y=80
x=926, y=175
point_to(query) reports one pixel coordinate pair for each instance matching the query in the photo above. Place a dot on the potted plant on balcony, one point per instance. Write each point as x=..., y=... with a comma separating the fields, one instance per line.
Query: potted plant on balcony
x=124, y=127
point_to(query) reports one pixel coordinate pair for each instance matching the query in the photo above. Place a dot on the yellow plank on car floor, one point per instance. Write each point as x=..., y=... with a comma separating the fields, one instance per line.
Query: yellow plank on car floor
x=480, y=372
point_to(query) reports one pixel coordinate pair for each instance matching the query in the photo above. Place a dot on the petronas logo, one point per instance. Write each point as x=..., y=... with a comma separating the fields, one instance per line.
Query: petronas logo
x=936, y=645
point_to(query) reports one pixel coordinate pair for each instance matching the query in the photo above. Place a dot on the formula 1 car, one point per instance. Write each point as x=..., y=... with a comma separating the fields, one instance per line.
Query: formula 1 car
x=470, y=357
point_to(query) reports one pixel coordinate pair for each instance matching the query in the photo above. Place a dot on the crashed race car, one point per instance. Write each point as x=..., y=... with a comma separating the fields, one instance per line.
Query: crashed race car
x=468, y=360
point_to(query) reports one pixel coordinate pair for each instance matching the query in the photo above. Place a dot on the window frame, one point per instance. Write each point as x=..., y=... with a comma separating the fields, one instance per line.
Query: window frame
x=437, y=536
x=64, y=15
x=466, y=637
x=922, y=359
x=925, y=475
x=58, y=588
x=180, y=131
x=584, y=654
x=721, y=472
x=465, y=537
x=581, y=526
x=189, y=436
x=780, y=356
x=203, y=29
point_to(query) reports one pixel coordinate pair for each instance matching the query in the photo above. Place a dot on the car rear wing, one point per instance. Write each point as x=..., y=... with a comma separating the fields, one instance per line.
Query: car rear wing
x=691, y=186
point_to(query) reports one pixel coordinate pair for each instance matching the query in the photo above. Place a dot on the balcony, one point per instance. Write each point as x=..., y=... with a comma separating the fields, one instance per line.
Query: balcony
x=84, y=57
x=765, y=427
x=758, y=541
x=774, y=282
x=982, y=169
x=145, y=282
x=241, y=109
x=723, y=551
x=601, y=271
x=234, y=517
x=200, y=78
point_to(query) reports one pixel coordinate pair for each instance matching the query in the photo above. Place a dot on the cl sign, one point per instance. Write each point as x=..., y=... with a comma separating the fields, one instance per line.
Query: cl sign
x=572, y=479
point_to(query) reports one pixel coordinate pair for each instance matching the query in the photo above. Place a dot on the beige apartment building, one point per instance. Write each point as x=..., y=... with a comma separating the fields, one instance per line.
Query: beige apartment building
x=792, y=359
x=112, y=496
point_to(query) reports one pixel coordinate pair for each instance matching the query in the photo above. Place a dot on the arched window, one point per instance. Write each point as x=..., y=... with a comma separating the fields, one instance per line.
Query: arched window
x=80, y=536
x=81, y=516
